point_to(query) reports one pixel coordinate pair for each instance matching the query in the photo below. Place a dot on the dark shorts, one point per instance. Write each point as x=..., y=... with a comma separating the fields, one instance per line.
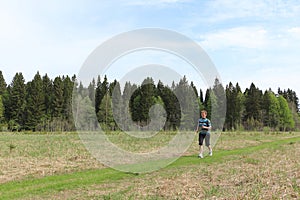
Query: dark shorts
x=207, y=139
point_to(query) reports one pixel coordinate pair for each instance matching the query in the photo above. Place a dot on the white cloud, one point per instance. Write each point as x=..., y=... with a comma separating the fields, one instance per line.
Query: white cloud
x=239, y=37
x=263, y=9
x=294, y=32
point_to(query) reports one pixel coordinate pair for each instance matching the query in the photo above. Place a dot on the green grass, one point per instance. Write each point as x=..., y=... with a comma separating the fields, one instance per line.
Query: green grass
x=58, y=183
x=62, y=182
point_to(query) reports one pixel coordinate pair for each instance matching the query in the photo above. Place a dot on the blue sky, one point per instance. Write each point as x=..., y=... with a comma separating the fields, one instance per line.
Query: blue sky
x=248, y=41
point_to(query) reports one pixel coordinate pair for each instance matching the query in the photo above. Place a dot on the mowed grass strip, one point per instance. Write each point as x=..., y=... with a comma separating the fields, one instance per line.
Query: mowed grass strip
x=58, y=183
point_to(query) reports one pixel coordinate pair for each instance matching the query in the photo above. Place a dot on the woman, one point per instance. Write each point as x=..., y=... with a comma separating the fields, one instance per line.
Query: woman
x=203, y=127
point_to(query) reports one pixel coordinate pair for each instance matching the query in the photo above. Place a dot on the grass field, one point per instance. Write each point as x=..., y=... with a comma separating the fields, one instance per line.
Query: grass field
x=245, y=165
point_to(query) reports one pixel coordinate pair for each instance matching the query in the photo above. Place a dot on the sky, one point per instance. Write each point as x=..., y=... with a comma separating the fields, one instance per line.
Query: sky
x=248, y=41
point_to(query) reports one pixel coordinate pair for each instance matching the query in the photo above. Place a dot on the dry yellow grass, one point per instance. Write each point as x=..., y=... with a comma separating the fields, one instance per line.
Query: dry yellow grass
x=269, y=173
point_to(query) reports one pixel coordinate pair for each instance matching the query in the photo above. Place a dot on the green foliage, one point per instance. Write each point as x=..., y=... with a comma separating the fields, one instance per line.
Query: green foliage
x=171, y=105
x=291, y=97
x=253, y=104
x=218, y=100
x=58, y=98
x=141, y=101
x=44, y=104
x=271, y=110
x=105, y=114
x=1, y=110
x=68, y=86
x=91, y=89
x=286, y=118
x=34, y=108
x=235, y=107
x=125, y=120
x=84, y=113
x=48, y=96
x=189, y=104
x=98, y=96
x=2, y=84
x=16, y=101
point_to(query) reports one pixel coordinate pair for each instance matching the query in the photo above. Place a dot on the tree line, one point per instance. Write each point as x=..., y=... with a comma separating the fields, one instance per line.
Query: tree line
x=45, y=104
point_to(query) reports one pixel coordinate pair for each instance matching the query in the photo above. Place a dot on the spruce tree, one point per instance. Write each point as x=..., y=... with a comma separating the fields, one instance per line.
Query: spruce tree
x=105, y=113
x=201, y=97
x=219, y=109
x=147, y=94
x=68, y=86
x=48, y=97
x=239, y=106
x=1, y=111
x=253, y=107
x=34, y=103
x=189, y=105
x=98, y=95
x=2, y=84
x=103, y=90
x=117, y=106
x=91, y=89
x=235, y=101
x=58, y=97
x=229, y=122
x=126, y=114
x=17, y=94
x=207, y=104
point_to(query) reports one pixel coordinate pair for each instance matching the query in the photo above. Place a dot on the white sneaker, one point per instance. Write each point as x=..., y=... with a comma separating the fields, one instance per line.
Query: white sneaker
x=200, y=155
x=210, y=153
